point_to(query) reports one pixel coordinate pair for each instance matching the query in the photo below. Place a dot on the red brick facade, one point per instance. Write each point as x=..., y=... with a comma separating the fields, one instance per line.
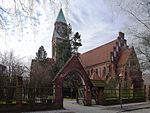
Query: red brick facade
x=111, y=59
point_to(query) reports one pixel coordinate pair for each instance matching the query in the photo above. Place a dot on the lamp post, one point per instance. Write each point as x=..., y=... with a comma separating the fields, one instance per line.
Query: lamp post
x=120, y=88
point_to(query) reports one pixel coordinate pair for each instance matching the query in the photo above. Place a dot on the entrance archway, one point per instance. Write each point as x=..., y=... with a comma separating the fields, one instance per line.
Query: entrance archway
x=72, y=65
x=73, y=87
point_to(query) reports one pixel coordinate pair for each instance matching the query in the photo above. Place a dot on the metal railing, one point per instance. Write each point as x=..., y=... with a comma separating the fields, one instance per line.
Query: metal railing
x=112, y=94
x=8, y=94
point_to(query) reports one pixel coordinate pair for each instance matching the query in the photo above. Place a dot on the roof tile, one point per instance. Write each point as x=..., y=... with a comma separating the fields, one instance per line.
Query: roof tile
x=98, y=55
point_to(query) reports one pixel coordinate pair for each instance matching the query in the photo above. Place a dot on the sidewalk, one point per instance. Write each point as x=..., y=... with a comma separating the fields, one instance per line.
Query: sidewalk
x=129, y=107
x=73, y=107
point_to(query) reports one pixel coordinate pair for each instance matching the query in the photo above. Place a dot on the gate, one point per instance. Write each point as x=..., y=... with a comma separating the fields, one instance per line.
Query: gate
x=72, y=65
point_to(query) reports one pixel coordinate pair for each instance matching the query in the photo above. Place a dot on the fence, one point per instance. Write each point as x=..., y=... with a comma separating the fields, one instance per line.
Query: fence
x=8, y=94
x=113, y=96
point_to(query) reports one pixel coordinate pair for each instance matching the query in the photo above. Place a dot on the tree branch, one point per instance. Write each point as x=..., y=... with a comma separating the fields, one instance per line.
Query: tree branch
x=138, y=19
x=23, y=7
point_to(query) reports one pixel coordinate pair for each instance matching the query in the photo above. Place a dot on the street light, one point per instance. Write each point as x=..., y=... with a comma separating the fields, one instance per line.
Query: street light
x=120, y=88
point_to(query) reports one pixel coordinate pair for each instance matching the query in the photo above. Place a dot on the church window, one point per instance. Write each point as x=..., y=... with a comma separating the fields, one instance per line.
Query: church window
x=97, y=71
x=58, y=28
x=125, y=75
x=115, y=54
x=129, y=64
x=119, y=44
x=112, y=58
x=117, y=49
x=91, y=71
x=104, y=71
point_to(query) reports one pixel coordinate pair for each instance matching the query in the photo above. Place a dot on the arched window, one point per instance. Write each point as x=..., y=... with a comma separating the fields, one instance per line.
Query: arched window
x=100, y=72
x=104, y=71
x=91, y=71
x=97, y=71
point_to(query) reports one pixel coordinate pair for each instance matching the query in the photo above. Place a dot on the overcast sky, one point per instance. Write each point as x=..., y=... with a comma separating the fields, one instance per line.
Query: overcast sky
x=94, y=20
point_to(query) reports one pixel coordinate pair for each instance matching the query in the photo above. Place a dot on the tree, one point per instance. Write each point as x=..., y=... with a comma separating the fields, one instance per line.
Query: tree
x=15, y=12
x=41, y=54
x=63, y=52
x=138, y=13
x=14, y=67
x=64, y=49
x=76, y=42
x=40, y=73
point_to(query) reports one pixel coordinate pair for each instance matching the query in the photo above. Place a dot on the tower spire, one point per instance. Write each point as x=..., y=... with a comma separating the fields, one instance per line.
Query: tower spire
x=61, y=17
x=59, y=34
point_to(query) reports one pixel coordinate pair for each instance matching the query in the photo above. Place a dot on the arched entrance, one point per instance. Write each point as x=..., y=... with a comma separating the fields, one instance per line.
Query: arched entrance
x=72, y=65
x=73, y=87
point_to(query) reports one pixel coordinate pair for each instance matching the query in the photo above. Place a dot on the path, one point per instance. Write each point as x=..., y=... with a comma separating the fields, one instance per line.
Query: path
x=70, y=106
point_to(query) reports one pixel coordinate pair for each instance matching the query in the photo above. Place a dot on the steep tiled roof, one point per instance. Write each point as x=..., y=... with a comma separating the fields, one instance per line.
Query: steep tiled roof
x=124, y=56
x=98, y=55
x=61, y=17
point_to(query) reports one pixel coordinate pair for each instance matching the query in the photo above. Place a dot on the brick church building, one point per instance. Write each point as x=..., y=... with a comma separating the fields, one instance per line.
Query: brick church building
x=111, y=59
x=105, y=62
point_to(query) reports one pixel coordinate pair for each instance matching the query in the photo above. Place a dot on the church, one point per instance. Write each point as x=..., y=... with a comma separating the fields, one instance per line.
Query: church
x=105, y=62
x=104, y=65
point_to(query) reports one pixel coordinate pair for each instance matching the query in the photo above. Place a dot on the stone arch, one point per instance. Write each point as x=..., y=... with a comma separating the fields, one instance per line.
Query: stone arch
x=72, y=65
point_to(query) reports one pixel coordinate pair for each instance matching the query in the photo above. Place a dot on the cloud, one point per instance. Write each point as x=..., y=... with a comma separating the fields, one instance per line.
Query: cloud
x=95, y=22
x=92, y=19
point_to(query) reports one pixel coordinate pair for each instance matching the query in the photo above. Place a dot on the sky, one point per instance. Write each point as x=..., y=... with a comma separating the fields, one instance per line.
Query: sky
x=95, y=21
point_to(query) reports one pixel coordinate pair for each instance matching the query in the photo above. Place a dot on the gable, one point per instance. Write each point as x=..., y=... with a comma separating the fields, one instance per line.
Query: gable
x=73, y=64
x=133, y=60
x=128, y=58
x=124, y=56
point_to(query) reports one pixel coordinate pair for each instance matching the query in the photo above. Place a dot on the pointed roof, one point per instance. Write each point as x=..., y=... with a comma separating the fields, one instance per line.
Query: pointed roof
x=61, y=17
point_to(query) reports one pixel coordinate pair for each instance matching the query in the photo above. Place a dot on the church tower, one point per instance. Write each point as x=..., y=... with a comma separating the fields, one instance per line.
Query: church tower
x=59, y=33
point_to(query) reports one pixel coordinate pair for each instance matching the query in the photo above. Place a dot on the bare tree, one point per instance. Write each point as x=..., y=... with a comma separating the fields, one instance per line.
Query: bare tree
x=16, y=12
x=15, y=65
